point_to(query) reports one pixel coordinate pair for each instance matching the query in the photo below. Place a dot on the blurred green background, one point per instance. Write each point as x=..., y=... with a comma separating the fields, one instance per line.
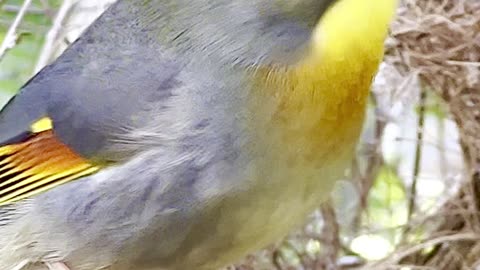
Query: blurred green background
x=18, y=64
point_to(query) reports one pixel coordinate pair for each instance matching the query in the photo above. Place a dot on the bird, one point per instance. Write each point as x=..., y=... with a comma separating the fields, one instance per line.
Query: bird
x=185, y=134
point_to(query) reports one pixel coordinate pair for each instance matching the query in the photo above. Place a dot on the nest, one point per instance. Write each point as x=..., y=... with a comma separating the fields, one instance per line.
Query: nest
x=439, y=41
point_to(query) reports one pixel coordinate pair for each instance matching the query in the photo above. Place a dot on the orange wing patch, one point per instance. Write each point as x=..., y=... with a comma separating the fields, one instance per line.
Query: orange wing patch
x=38, y=164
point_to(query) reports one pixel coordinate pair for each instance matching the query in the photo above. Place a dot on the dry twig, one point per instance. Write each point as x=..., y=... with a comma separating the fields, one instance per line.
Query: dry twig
x=11, y=37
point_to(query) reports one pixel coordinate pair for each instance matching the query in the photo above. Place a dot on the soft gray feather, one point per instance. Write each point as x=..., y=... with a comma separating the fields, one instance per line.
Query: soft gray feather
x=162, y=86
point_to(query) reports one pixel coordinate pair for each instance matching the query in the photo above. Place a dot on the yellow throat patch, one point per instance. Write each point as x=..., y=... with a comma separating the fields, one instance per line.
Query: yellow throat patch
x=320, y=101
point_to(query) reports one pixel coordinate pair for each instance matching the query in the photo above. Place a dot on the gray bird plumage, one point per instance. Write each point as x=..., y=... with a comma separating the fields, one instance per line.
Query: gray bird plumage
x=161, y=90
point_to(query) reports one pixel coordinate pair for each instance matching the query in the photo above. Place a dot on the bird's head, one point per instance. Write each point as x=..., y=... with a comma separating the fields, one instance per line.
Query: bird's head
x=330, y=26
x=305, y=12
x=254, y=31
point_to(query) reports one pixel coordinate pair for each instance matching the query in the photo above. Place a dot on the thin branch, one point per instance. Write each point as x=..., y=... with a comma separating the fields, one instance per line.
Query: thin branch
x=21, y=265
x=16, y=9
x=331, y=231
x=374, y=163
x=429, y=243
x=48, y=46
x=418, y=153
x=11, y=36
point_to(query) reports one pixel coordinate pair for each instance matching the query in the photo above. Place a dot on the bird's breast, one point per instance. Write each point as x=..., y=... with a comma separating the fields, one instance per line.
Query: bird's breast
x=302, y=131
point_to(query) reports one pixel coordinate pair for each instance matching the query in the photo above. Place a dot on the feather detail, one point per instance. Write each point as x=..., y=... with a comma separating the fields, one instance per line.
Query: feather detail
x=38, y=164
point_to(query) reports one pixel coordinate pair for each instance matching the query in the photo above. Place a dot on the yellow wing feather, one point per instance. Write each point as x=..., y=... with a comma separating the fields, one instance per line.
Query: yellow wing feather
x=37, y=164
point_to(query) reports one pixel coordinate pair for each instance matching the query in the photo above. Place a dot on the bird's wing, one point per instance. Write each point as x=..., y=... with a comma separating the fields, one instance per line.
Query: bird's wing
x=38, y=163
x=64, y=122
